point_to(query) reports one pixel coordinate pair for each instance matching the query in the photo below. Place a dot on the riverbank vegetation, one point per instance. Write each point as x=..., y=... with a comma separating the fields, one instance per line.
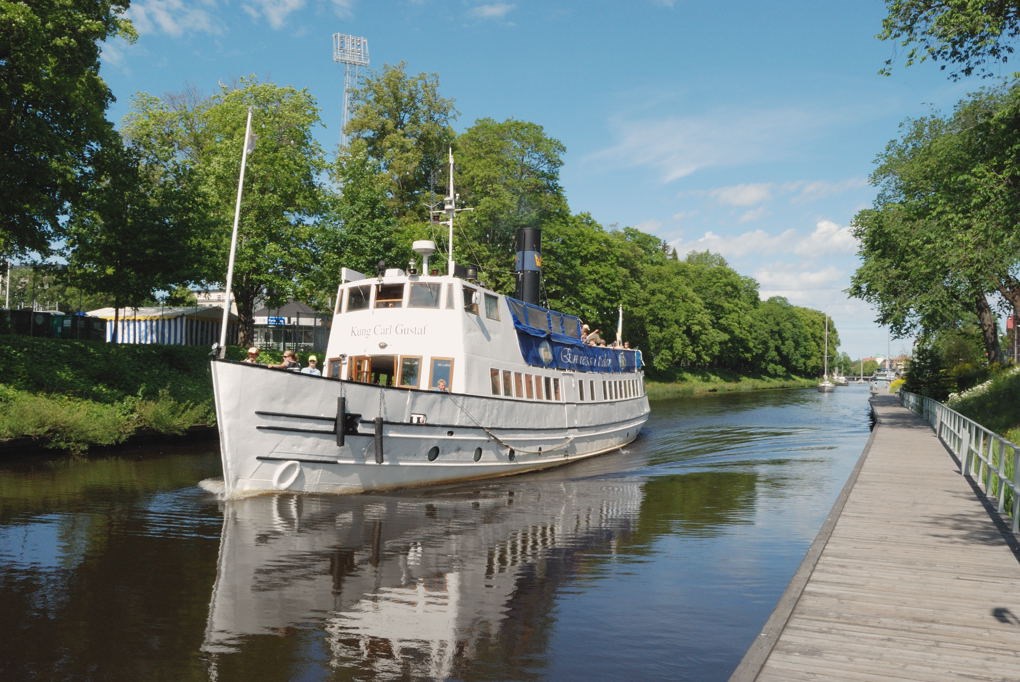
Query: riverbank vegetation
x=704, y=383
x=74, y=395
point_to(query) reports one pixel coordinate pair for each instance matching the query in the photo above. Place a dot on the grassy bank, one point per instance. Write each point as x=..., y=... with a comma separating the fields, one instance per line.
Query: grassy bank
x=994, y=404
x=701, y=383
x=73, y=395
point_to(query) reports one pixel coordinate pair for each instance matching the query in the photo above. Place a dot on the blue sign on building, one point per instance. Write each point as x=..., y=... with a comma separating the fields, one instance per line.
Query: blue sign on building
x=277, y=321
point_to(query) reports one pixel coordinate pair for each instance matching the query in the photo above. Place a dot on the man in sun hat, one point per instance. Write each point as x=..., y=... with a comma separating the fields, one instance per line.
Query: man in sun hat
x=313, y=367
x=253, y=355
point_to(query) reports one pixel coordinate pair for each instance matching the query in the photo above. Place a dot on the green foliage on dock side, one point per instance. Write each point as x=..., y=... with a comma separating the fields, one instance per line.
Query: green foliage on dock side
x=74, y=395
x=702, y=383
x=995, y=404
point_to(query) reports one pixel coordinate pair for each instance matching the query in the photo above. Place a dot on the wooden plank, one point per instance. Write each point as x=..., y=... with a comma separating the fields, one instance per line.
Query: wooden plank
x=908, y=579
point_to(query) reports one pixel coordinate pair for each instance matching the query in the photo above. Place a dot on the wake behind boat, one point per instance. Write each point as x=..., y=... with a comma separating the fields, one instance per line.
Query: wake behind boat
x=429, y=379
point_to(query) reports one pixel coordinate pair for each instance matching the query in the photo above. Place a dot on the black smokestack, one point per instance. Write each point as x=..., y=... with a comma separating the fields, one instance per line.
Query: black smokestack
x=529, y=264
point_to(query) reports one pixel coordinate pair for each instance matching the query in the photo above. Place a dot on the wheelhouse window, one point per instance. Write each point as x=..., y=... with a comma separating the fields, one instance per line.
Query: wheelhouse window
x=389, y=295
x=442, y=368
x=409, y=375
x=423, y=295
x=508, y=385
x=494, y=381
x=491, y=306
x=470, y=299
x=358, y=297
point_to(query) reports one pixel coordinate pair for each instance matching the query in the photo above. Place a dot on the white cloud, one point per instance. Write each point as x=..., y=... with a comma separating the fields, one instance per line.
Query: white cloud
x=820, y=189
x=827, y=238
x=677, y=147
x=173, y=17
x=650, y=226
x=496, y=10
x=737, y=246
x=742, y=195
x=754, y=215
x=797, y=284
x=343, y=8
x=113, y=53
x=274, y=11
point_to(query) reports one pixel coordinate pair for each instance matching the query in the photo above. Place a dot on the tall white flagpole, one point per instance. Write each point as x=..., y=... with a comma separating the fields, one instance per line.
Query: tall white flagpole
x=233, y=240
x=619, y=327
x=451, y=210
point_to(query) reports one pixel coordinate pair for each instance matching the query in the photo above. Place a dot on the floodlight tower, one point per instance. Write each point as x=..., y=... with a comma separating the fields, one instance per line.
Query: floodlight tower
x=352, y=52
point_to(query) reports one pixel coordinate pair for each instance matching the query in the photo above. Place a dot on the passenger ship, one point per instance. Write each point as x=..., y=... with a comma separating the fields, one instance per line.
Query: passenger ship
x=429, y=379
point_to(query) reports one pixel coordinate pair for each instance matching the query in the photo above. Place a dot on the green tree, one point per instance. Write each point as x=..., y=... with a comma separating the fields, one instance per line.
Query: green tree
x=961, y=34
x=508, y=174
x=130, y=243
x=406, y=127
x=940, y=243
x=52, y=111
x=582, y=272
x=730, y=299
x=282, y=200
x=358, y=228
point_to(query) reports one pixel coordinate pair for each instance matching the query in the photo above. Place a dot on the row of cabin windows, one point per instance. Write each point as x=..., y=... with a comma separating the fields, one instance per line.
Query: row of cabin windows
x=612, y=389
x=519, y=385
x=509, y=384
x=417, y=295
x=394, y=370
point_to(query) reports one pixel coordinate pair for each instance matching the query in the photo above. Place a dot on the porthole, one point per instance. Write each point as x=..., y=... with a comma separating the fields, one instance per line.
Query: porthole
x=433, y=453
x=478, y=454
x=512, y=455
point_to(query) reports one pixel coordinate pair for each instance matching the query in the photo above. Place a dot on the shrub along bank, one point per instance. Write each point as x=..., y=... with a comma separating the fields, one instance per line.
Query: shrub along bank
x=73, y=395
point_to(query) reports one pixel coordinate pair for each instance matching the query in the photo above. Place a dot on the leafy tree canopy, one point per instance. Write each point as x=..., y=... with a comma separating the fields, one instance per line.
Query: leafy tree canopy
x=962, y=35
x=52, y=111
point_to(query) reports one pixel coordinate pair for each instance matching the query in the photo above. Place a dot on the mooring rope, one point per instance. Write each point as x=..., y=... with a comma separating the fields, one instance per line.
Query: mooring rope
x=567, y=441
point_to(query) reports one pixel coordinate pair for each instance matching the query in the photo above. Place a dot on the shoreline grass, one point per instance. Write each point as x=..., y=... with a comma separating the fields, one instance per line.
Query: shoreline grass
x=692, y=385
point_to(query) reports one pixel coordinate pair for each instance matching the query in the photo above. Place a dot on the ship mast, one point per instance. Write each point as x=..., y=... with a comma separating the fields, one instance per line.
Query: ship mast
x=450, y=208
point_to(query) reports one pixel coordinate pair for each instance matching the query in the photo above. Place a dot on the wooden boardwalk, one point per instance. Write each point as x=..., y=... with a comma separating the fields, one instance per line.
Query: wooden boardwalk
x=910, y=578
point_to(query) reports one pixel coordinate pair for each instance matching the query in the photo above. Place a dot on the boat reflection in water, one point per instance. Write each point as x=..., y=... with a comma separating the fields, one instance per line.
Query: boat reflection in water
x=406, y=584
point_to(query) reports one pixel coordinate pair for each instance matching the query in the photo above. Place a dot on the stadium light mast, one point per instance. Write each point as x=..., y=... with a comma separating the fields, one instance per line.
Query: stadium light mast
x=352, y=52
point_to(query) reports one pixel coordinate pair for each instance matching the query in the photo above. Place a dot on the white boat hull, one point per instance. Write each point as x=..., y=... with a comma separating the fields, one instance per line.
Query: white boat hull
x=281, y=430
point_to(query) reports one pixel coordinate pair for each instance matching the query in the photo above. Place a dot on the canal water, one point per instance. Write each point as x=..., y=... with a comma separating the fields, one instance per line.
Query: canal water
x=660, y=562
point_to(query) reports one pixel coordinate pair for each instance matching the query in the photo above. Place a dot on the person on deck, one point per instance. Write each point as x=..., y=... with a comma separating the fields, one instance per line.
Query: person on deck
x=253, y=356
x=313, y=367
x=290, y=362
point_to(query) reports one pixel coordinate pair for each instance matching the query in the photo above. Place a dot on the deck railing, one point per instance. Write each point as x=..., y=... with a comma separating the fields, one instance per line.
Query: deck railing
x=985, y=457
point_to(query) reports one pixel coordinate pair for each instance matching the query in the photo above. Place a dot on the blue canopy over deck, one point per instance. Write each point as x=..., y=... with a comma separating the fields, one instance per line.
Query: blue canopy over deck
x=552, y=339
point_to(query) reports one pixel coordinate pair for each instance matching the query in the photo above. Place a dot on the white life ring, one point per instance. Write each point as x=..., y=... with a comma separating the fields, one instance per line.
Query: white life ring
x=286, y=474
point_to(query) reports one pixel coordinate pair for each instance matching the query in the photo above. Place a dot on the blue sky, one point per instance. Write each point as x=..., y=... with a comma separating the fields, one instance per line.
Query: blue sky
x=746, y=128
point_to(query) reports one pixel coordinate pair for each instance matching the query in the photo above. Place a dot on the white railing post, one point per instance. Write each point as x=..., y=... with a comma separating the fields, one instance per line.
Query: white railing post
x=1016, y=489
